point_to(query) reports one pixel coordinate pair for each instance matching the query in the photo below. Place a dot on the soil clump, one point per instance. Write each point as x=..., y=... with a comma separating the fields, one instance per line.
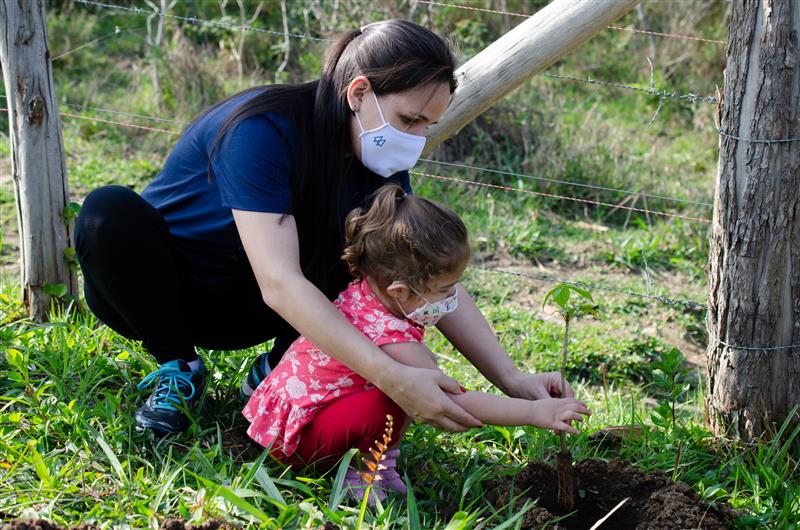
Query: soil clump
x=655, y=501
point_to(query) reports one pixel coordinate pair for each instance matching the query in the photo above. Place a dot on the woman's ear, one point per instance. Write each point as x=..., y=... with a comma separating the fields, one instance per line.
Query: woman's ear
x=356, y=90
x=398, y=290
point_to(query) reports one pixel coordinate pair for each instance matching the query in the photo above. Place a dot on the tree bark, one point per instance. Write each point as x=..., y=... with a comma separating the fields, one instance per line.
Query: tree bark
x=38, y=168
x=754, y=262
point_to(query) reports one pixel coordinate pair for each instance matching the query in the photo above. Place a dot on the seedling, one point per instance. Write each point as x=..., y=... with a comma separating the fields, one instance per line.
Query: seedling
x=569, y=309
x=670, y=377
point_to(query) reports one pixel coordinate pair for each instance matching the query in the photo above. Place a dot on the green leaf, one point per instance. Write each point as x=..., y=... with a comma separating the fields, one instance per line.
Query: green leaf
x=561, y=296
x=231, y=497
x=56, y=290
x=363, y=509
x=36, y=459
x=71, y=211
x=337, y=491
x=263, y=478
x=15, y=358
x=460, y=521
x=413, y=512
x=112, y=458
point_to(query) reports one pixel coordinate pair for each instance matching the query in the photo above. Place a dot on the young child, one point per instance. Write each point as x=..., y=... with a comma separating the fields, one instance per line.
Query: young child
x=406, y=255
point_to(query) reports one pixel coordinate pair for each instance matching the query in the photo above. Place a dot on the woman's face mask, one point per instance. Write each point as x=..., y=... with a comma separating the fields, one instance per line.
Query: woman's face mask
x=386, y=150
x=429, y=313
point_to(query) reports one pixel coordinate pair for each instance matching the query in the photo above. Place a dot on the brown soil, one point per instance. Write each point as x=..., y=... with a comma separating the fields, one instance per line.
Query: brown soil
x=181, y=524
x=655, y=501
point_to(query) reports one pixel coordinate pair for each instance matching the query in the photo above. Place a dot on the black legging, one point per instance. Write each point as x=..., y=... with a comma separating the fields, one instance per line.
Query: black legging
x=172, y=294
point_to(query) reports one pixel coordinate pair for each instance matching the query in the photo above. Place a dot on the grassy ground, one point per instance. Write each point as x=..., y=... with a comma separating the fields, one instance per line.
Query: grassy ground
x=68, y=450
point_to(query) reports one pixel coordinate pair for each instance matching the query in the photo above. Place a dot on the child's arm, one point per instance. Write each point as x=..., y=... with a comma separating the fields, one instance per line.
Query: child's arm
x=551, y=413
x=548, y=413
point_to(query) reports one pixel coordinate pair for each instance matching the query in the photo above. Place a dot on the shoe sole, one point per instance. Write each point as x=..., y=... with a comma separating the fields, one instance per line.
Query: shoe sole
x=158, y=428
x=245, y=390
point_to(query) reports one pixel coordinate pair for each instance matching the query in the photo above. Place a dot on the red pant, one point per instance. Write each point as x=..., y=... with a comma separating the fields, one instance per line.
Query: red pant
x=356, y=420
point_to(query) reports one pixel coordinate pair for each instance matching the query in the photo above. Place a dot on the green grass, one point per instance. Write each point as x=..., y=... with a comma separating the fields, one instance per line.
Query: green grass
x=68, y=448
x=70, y=452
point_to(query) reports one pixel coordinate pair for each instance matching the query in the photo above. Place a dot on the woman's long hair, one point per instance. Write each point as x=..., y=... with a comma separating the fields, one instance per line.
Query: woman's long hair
x=395, y=55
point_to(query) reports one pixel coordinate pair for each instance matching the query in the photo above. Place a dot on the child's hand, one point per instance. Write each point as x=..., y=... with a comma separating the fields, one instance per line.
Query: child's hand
x=558, y=413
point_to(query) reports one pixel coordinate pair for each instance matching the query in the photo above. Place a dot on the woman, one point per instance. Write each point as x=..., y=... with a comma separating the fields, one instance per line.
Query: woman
x=238, y=239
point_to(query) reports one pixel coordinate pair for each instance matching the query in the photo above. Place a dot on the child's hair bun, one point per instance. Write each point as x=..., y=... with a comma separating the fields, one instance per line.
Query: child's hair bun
x=403, y=236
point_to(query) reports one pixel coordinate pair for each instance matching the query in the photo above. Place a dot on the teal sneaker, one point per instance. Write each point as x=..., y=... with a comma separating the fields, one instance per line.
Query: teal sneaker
x=177, y=391
x=258, y=372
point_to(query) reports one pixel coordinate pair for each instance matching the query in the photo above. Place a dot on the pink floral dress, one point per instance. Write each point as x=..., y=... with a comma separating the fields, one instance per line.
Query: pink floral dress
x=307, y=379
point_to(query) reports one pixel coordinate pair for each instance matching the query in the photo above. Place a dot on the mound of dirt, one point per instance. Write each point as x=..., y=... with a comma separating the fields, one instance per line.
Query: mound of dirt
x=655, y=501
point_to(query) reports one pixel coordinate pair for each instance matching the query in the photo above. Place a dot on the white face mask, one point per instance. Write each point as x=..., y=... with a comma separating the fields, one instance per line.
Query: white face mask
x=387, y=150
x=429, y=313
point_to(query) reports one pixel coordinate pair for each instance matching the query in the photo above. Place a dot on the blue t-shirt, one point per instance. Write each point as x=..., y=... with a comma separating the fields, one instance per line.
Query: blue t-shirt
x=250, y=170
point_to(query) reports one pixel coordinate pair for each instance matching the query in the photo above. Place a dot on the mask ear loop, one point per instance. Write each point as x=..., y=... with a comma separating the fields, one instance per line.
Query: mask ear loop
x=360, y=126
x=380, y=112
x=383, y=120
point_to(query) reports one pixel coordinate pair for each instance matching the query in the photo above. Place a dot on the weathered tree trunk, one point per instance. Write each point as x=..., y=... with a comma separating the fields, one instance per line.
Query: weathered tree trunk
x=754, y=263
x=38, y=168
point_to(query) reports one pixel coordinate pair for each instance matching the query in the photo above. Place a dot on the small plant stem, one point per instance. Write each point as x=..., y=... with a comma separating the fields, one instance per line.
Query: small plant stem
x=565, y=483
x=563, y=435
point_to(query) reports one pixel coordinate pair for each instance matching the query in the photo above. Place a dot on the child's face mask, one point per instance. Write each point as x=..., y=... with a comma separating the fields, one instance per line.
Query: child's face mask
x=386, y=150
x=429, y=313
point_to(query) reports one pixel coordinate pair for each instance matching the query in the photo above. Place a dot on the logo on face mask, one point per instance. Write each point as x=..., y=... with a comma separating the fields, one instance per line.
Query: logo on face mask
x=379, y=141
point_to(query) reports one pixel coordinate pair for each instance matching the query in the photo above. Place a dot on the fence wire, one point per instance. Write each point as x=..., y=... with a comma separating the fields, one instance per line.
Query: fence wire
x=618, y=28
x=132, y=10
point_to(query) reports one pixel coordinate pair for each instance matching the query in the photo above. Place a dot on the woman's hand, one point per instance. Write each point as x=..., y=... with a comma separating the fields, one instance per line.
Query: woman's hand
x=421, y=393
x=536, y=386
x=558, y=413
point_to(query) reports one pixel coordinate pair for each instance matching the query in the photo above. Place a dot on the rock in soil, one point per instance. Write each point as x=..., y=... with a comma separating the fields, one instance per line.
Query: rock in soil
x=656, y=502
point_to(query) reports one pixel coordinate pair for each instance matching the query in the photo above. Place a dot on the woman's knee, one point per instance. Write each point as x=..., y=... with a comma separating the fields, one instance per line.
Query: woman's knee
x=110, y=213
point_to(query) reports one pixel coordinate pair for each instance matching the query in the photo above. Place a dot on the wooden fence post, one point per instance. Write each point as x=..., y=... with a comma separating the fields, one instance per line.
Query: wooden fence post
x=754, y=261
x=552, y=33
x=37, y=164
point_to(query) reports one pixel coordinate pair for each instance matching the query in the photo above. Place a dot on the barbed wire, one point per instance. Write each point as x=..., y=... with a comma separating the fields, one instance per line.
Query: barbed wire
x=439, y=162
x=662, y=299
x=712, y=336
x=618, y=28
x=117, y=31
x=678, y=303
x=195, y=20
x=563, y=197
x=440, y=177
x=756, y=141
x=110, y=122
x=429, y=175
x=692, y=98
x=129, y=114
x=566, y=182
